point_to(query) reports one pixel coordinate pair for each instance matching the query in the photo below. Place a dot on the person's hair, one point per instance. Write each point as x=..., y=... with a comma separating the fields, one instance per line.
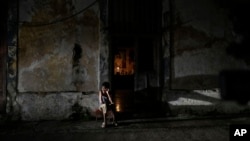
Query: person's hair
x=106, y=85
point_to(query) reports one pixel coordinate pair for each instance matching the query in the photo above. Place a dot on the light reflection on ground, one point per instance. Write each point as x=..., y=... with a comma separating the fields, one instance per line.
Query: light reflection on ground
x=189, y=101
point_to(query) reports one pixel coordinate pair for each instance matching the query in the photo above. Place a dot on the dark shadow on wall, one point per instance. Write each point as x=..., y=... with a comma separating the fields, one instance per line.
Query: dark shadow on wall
x=238, y=15
x=234, y=85
x=195, y=81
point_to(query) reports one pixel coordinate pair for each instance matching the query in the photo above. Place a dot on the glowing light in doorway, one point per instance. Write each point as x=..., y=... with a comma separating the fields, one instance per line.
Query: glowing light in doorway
x=117, y=108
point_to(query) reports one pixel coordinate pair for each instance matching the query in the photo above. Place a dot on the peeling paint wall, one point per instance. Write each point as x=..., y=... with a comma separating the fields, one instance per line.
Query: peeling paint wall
x=54, y=68
x=201, y=39
x=104, y=64
x=62, y=55
x=56, y=106
x=12, y=107
x=203, y=31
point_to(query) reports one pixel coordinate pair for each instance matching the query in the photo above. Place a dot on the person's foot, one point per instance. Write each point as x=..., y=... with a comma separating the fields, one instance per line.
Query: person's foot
x=115, y=124
x=103, y=125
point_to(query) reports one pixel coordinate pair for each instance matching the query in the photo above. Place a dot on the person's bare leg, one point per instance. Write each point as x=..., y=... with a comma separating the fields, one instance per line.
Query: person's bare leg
x=104, y=120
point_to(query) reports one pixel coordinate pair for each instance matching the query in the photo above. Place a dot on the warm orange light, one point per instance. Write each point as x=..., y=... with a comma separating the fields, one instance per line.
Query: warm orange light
x=124, y=62
x=117, y=107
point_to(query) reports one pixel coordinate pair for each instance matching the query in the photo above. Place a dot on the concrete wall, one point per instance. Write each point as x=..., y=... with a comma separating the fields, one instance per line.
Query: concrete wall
x=55, y=67
x=200, y=40
x=202, y=33
x=58, y=56
x=57, y=106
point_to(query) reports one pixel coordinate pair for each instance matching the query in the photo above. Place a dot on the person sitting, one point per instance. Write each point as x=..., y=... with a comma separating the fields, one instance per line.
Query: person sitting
x=106, y=104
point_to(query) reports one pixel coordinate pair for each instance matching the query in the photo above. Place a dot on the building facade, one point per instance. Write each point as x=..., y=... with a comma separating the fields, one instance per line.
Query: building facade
x=56, y=54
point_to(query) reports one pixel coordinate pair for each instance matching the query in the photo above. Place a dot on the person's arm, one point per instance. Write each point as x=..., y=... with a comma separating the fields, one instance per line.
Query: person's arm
x=110, y=100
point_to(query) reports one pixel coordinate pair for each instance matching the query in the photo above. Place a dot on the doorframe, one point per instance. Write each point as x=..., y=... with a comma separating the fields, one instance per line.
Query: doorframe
x=3, y=55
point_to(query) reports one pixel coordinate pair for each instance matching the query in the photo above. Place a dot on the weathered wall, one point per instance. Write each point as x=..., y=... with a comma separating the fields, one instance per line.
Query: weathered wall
x=104, y=43
x=54, y=70
x=59, y=56
x=12, y=108
x=202, y=34
x=201, y=39
x=57, y=106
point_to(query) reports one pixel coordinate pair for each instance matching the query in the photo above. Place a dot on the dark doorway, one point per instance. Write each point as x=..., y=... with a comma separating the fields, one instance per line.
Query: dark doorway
x=123, y=63
x=135, y=35
x=3, y=55
x=134, y=77
x=123, y=50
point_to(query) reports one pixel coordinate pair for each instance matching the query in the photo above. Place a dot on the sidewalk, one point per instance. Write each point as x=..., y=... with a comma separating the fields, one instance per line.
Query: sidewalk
x=153, y=129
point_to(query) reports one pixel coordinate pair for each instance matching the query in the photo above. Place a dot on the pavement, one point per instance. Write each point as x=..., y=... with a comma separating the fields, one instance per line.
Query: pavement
x=148, y=129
